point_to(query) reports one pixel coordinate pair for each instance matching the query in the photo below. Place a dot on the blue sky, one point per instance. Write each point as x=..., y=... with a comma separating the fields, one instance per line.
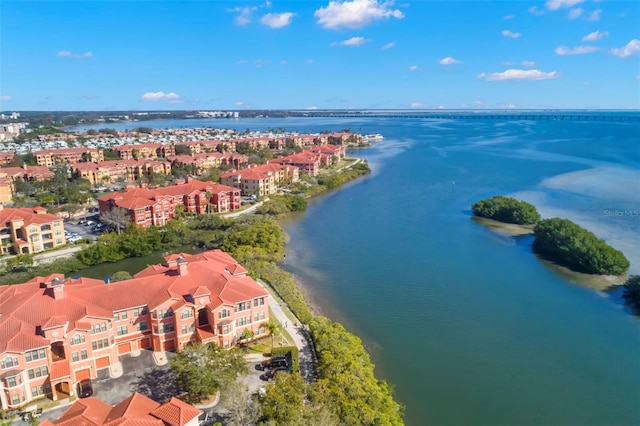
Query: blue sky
x=234, y=55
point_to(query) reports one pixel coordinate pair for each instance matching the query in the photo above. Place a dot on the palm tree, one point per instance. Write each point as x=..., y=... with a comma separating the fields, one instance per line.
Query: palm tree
x=274, y=328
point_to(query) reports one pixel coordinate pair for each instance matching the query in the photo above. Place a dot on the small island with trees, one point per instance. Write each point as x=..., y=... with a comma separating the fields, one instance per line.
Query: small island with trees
x=558, y=240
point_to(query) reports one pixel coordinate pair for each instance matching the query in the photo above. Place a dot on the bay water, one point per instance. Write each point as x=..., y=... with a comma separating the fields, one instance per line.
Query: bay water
x=467, y=324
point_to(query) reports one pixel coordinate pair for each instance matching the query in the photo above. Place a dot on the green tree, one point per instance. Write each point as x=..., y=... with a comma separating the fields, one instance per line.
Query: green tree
x=275, y=328
x=283, y=403
x=120, y=276
x=202, y=370
x=506, y=209
x=182, y=149
x=572, y=246
x=631, y=293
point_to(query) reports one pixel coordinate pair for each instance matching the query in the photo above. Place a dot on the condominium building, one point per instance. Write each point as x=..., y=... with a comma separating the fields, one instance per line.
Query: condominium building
x=27, y=231
x=50, y=157
x=261, y=180
x=55, y=332
x=154, y=207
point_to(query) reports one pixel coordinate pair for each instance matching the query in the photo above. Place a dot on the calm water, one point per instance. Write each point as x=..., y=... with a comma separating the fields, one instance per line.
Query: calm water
x=467, y=324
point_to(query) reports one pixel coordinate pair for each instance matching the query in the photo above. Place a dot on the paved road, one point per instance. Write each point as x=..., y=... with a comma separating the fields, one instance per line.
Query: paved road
x=306, y=352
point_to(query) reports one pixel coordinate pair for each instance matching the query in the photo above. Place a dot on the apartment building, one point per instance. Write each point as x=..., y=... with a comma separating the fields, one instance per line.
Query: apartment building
x=51, y=157
x=206, y=160
x=307, y=161
x=27, y=231
x=55, y=332
x=154, y=207
x=107, y=172
x=134, y=410
x=147, y=150
x=261, y=180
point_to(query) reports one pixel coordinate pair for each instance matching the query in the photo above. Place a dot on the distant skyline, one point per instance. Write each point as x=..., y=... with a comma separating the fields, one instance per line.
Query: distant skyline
x=364, y=54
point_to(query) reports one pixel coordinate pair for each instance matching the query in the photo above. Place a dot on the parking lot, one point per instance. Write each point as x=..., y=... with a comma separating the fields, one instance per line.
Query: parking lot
x=141, y=374
x=88, y=226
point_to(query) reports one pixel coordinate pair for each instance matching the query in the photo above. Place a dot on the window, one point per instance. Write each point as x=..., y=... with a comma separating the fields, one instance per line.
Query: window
x=38, y=372
x=116, y=316
x=243, y=321
x=77, y=339
x=15, y=399
x=191, y=328
x=187, y=313
x=124, y=315
x=142, y=326
x=136, y=312
x=9, y=362
x=122, y=330
x=242, y=306
x=144, y=310
x=100, y=343
x=74, y=357
x=225, y=329
x=224, y=313
x=36, y=354
x=83, y=354
x=11, y=382
x=183, y=329
x=167, y=328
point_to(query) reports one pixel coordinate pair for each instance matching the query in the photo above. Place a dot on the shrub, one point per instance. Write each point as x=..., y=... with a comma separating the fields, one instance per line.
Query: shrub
x=506, y=209
x=570, y=245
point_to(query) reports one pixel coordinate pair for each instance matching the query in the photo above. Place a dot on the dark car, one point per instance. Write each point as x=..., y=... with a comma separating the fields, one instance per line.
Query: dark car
x=272, y=373
x=278, y=361
x=85, y=389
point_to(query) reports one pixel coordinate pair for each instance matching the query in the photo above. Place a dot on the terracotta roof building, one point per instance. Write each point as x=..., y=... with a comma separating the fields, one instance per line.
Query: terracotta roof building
x=120, y=170
x=50, y=157
x=154, y=207
x=137, y=410
x=260, y=180
x=26, y=231
x=55, y=332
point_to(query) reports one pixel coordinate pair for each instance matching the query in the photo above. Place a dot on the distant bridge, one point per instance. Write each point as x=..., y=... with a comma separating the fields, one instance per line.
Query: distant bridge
x=482, y=116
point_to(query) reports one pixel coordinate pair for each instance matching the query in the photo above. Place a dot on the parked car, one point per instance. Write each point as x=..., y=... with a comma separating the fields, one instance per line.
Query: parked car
x=85, y=388
x=272, y=373
x=277, y=361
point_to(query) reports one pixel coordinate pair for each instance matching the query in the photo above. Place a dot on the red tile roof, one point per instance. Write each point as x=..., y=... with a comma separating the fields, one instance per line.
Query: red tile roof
x=176, y=412
x=30, y=216
x=136, y=410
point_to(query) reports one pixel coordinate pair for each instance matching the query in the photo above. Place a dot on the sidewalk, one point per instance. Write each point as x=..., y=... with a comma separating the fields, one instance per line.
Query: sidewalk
x=306, y=352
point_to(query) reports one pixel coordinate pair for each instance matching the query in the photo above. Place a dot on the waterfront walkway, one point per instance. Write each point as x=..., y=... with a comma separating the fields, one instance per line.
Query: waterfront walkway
x=299, y=334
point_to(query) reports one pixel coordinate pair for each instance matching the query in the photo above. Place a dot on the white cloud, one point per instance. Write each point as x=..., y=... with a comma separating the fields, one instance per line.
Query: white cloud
x=506, y=17
x=238, y=103
x=309, y=62
x=449, y=61
x=311, y=108
x=510, y=34
x=575, y=13
x=595, y=15
x=630, y=49
x=277, y=20
x=170, y=97
x=353, y=42
x=355, y=14
x=528, y=64
x=284, y=62
x=535, y=11
x=521, y=75
x=242, y=62
x=388, y=45
x=414, y=68
x=637, y=78
x=5, y=98
x=562, y=4
x=69, y=54
x=244, y=16
x=596, y=35
x=579, y=50
x=416, y=105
